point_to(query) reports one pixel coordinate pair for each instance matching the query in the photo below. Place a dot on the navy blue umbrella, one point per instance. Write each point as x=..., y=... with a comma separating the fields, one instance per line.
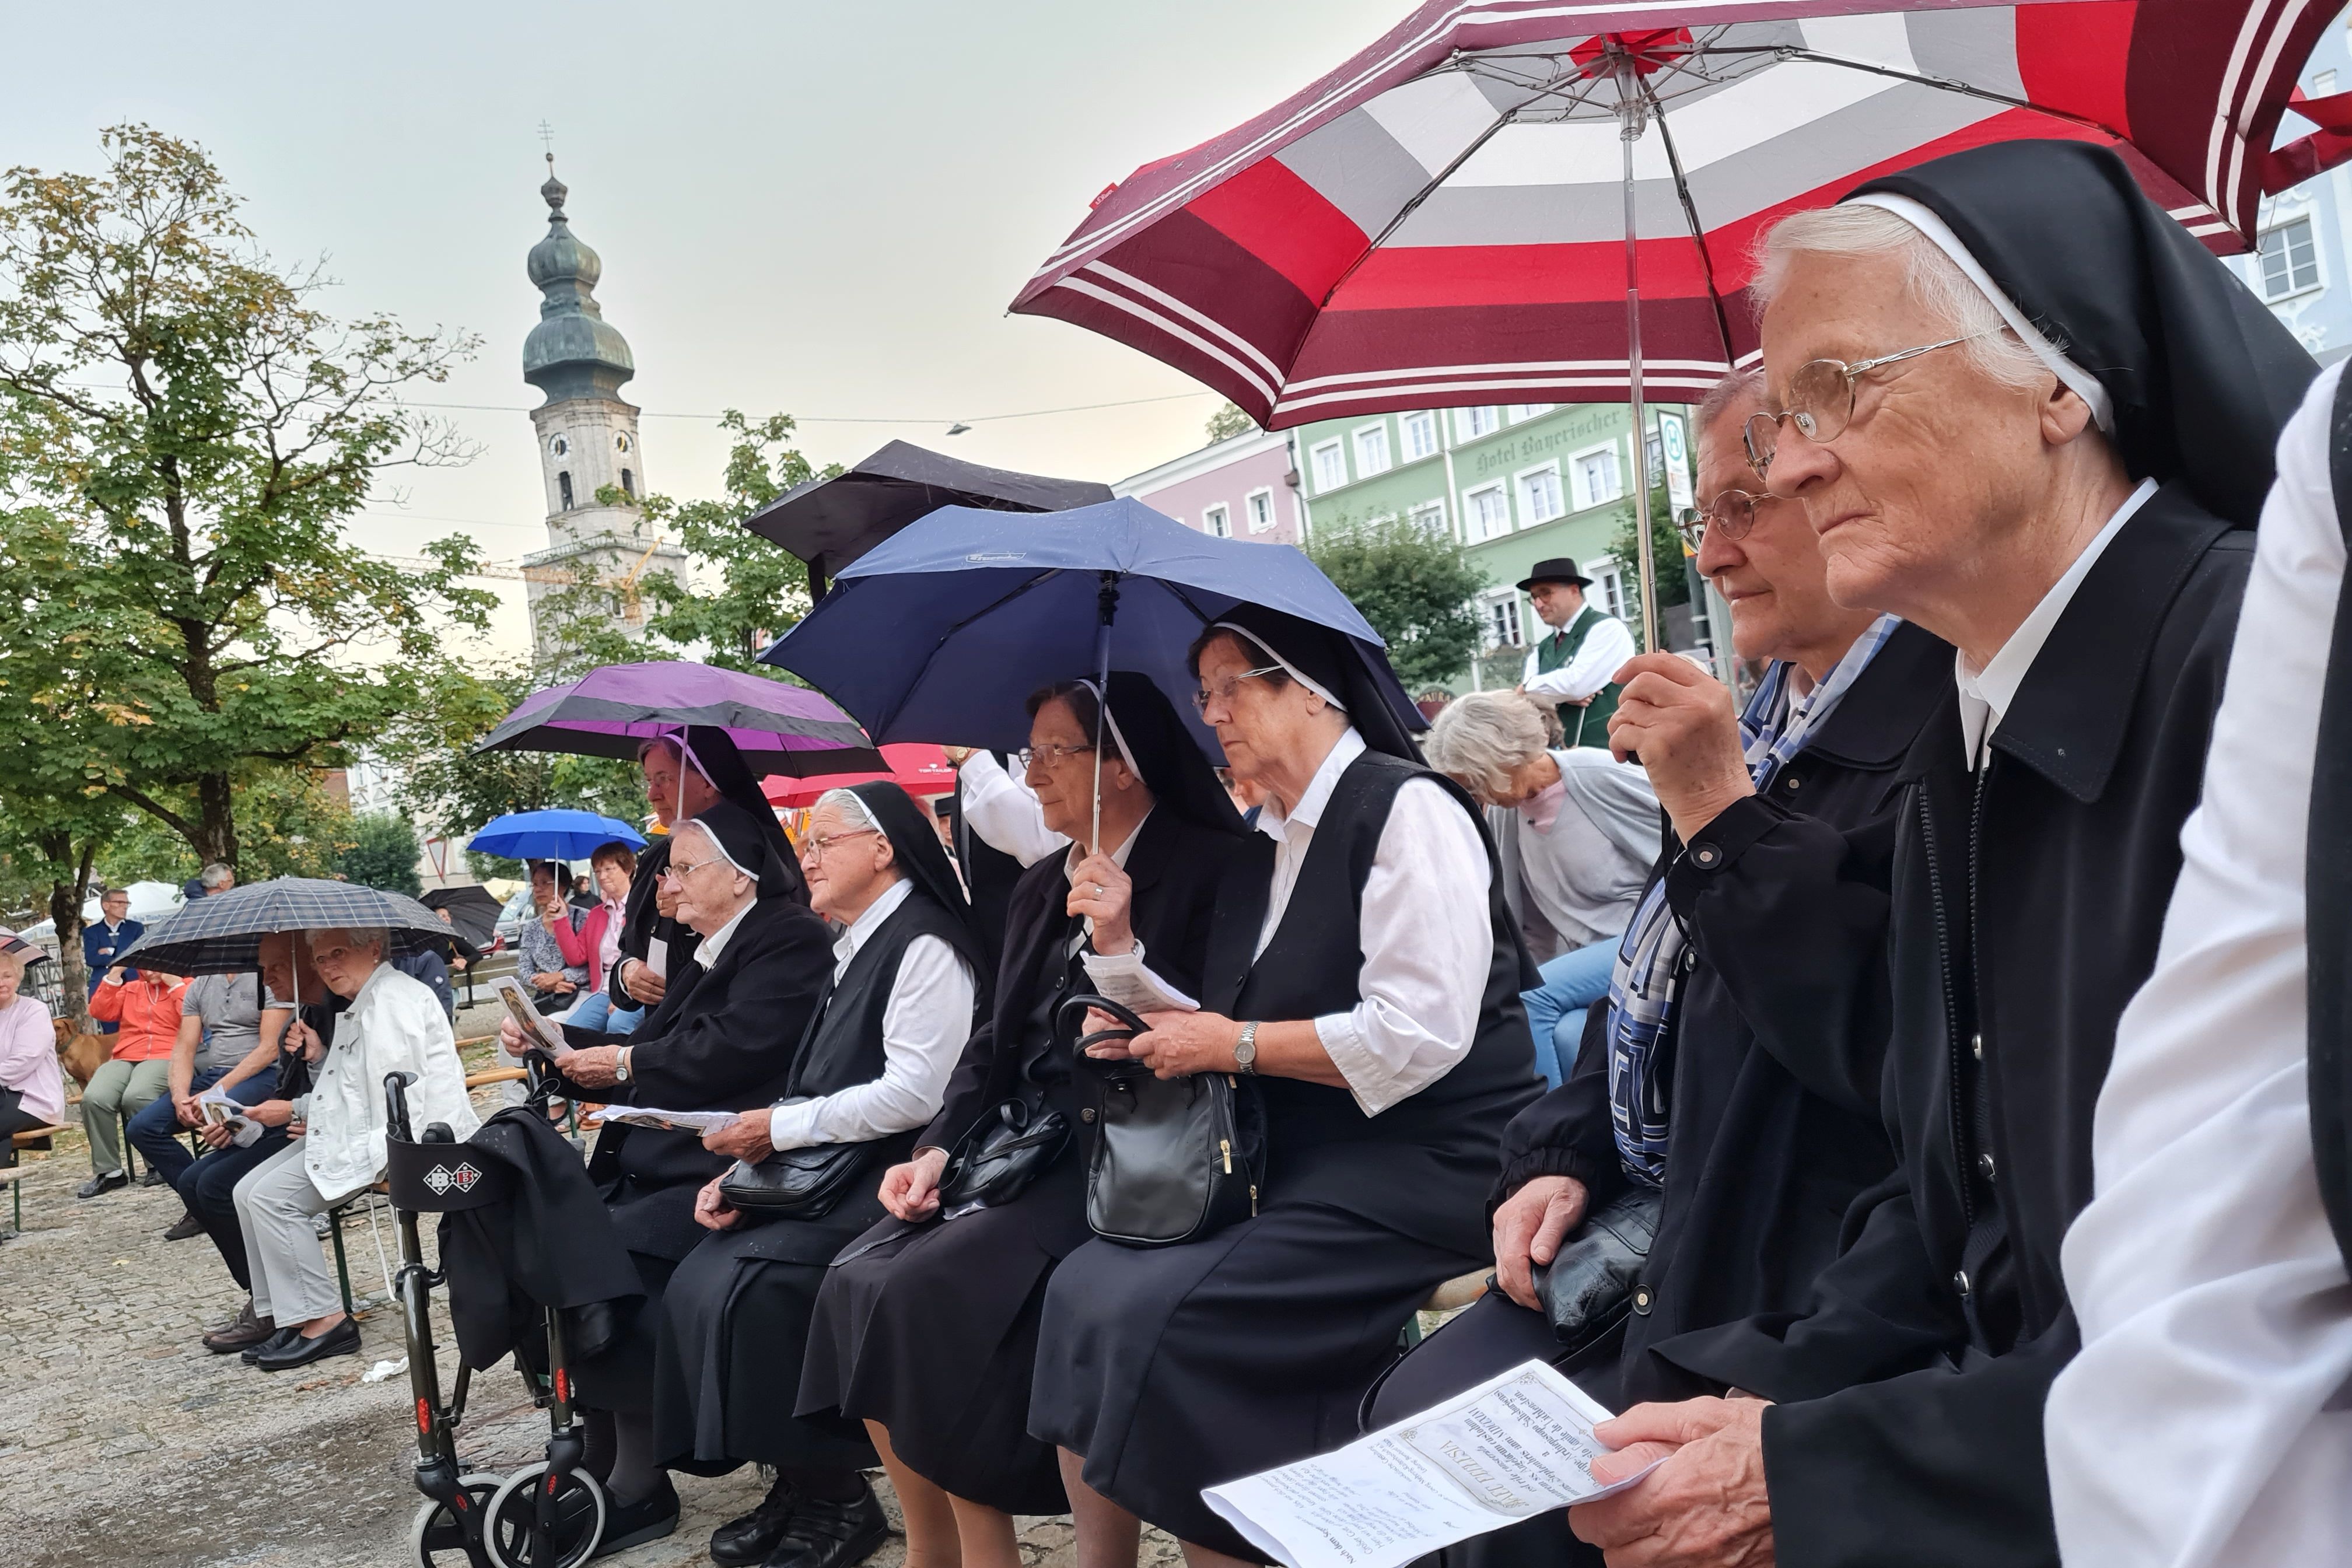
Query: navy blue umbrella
x=941, y=631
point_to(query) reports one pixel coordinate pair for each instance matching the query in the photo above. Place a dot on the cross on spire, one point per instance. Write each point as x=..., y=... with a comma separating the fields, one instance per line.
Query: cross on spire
x=547, y=140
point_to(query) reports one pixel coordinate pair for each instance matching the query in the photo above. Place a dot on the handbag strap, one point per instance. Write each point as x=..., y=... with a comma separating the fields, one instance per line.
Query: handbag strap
x=2327, y=880
x=1128, y=1026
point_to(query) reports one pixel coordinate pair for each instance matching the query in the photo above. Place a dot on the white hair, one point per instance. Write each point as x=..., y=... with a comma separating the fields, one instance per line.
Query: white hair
x=1484, y=738
x=356, y=936
x=216, y=875
x=1930, y=279
x=853, y=808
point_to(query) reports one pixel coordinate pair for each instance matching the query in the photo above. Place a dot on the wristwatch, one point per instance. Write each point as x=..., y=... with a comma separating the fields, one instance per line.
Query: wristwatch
x=621, y=1065
x=1245, y=1048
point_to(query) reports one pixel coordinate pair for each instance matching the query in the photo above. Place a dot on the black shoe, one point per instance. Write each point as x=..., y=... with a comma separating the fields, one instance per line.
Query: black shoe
x=343, y=1339
x=97, y=1185
x=649, y=1518
x=742, y=1541
x=184, y=1228
x=153, y=1178
x=277, y=1337
x=832, y=1535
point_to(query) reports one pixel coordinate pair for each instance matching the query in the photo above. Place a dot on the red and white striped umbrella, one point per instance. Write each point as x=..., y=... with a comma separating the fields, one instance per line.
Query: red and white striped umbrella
x=1442, y=220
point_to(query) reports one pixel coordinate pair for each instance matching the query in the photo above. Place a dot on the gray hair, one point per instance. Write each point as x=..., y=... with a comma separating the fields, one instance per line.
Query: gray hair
x=375, y=936
x=1740, y=389
x=1484, y=738
x=216, y=875
x=853, y=808
x=1931, y=279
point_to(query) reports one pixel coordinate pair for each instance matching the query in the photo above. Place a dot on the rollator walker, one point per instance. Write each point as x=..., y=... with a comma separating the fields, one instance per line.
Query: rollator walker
x=551, y=1514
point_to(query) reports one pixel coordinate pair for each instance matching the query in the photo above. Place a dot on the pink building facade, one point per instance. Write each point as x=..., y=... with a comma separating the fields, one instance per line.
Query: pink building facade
x=1242, y=487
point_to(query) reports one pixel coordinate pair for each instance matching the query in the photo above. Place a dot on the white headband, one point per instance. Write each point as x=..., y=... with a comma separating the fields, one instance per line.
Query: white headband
x=717, y=843
x=685, y=749
x=1289, y=668
x=1110, y=722
x=2077, y=380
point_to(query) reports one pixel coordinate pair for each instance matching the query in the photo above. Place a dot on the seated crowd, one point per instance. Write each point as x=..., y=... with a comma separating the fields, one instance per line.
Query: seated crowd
x=1829, y=986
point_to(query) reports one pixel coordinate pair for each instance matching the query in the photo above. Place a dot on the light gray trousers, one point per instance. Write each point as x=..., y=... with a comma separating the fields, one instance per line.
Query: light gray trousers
x=276, y=1204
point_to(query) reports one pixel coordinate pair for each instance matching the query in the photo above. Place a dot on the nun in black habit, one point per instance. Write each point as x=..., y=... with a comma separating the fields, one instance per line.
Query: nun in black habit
x=871, y=1069
x=926, y=1327
x=1365, y=966
x=724, y=1037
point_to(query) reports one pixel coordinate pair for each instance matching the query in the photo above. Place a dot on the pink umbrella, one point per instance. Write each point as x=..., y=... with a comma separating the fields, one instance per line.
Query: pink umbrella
x=918, y=768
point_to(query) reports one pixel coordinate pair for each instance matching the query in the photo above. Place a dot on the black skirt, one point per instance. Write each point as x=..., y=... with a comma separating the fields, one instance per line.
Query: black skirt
x=622, y=1378
x=932, y=1330
x=1177, y=1368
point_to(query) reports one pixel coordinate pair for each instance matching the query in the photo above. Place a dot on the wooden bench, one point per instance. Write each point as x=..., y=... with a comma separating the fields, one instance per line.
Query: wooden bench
x=31, y=1138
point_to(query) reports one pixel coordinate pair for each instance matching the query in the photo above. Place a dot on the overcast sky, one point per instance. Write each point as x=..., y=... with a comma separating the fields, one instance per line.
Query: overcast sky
x=821, y=210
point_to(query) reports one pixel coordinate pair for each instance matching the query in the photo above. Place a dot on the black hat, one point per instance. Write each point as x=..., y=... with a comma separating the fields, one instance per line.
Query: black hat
x=1558, y=569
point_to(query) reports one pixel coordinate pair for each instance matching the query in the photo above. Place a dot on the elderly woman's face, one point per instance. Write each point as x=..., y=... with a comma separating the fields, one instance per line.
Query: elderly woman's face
x=1257, y=722
x=1940, y=466
x=343, y=960
x=1062, y=770
x=709, y=890
x=12, y=975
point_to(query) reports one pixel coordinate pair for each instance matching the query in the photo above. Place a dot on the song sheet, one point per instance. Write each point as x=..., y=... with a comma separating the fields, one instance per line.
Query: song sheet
x=535, y=1025
x=1515, y=1445
x=647, y=1116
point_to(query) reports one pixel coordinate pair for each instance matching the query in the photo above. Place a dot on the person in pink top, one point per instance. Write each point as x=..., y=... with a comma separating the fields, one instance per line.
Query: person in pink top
x=32, y=1090
x=147, y=1007
x=597, y=942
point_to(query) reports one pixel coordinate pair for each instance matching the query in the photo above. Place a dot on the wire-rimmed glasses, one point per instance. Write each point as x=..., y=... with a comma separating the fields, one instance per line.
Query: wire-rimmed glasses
x=1820, y=399
x=1049, y=755
x=1224, y=689
x=1732, y=513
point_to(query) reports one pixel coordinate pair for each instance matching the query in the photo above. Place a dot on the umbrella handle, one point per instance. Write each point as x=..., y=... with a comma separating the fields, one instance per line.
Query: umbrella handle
x=1105, y=610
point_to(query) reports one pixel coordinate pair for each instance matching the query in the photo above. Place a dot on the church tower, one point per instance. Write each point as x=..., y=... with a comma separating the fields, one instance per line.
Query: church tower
x=587, y=434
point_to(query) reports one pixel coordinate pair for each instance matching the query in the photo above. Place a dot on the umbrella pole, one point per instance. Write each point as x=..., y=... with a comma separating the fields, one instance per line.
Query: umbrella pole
x=1630, y=121
x=1106, y=607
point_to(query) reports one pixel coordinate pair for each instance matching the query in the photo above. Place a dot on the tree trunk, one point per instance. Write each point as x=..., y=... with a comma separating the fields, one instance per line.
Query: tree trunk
x=216, y=836
x=65, y=909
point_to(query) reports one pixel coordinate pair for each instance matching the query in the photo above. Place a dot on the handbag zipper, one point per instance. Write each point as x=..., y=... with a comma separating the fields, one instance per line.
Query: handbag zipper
x=1226, y=1148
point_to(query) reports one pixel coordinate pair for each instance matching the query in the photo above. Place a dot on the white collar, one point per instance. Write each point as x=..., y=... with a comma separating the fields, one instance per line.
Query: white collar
x=1117, y=856
x=860, y=931
x=1986, y=694
x=368, y=986
x=1274, y=823
x=716, y=942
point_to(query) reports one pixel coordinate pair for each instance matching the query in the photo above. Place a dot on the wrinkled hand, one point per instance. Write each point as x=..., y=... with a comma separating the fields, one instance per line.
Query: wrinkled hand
x=301, y=1038
x=1705, y=1507
x=213, y=1137
x=597, y=1067
x=297, y=1129
x=638, y=979
x=547, y=982
x=273, y=1113
x=1681, y=726
x=911, y=1191
x=184, y=1107
x=745, y=1138
x=1178, y=1044
x=712, y=1212
x=1528, y=1228
x=1101, y=892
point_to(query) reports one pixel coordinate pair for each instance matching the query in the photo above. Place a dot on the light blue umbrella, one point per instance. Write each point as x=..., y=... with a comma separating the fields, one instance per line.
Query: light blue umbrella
x=559, y=834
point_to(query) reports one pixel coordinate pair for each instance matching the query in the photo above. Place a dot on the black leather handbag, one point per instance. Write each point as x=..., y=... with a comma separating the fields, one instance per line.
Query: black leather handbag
x=1175, y=1159
x=796, y=1184
x=1587, y=1290
x=995, y=1162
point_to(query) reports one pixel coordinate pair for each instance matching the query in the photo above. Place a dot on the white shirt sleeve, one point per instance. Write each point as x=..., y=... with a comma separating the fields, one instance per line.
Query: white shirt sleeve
x=2203, y=1423
x=1603, y=652
x=1003, y=811
x=924, y=1027
x=1428, y=941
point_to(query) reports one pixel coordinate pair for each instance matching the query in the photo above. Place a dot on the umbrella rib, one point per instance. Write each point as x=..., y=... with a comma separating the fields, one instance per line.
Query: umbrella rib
x=1943, y=83
x=1690, y=217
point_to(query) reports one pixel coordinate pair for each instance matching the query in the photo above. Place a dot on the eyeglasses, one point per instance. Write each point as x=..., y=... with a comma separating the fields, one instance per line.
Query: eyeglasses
x=1050, y=755
x=1820, y=400
x=813, y=849
x=679, y=870
x=1225, y=689
x=1732, y=514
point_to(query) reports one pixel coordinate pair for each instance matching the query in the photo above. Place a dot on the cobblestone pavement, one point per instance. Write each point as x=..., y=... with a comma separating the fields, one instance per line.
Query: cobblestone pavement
x=124, y=1445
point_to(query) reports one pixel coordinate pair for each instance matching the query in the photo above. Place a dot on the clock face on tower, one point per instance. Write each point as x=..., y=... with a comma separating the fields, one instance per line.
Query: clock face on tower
x=559, y=446
x=621, y=442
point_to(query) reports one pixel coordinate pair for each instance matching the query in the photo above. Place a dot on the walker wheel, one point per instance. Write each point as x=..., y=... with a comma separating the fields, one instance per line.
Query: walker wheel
x=438, y=1539
x=579, y=1520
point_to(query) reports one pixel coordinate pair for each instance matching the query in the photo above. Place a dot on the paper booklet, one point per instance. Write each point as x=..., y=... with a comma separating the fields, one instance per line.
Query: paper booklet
x=534, y=1024
x=1134, y=987
x=646, y=1116
x=1514, y=1447
x=219, y=1110
x=658, y=956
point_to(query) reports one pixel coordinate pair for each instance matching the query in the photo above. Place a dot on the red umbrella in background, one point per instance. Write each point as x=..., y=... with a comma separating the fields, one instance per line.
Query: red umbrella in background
x=1520, y=201
x=916, y=767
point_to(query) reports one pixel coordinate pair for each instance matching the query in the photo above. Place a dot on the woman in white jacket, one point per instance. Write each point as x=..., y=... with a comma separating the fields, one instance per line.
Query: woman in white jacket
x=394, y=1024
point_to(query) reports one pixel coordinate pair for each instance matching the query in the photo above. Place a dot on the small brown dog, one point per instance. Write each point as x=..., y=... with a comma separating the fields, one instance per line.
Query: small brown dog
x=80, y=1055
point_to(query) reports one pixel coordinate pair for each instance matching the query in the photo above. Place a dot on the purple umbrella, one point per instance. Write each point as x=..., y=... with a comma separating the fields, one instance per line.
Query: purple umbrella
x=610, y=712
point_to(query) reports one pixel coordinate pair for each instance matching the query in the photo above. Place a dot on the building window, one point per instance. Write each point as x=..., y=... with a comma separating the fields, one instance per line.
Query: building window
x=1608, y=588
x=563, y=489
x=1372, y=450
x=1472, y=422
x=1419, y=436
x=1539, y=500
x=1217, y=522
x=2290, y=260
x=1594, y=478
x=628, y=484
x=1498, y=617
x=1330, y=467
x=1515, y=412
x=1430, y=518
x=1258, y=506
x=1486, y=512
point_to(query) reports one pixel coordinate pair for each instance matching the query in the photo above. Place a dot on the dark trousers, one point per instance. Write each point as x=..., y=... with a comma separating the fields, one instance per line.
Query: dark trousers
x=156, y=1132
x=13, y=1118
x=208, y=1184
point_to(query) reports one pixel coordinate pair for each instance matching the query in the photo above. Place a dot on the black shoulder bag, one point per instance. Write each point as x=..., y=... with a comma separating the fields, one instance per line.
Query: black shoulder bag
x=796, y=1184
x=1175, y=1159
x=995, y=1162
x=1588, y=1287
x=2327, y=880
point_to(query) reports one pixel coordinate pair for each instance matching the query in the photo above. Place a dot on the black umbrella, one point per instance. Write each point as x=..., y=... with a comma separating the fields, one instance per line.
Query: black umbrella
x=222, y=934
x=831, y=523
x=474, y=910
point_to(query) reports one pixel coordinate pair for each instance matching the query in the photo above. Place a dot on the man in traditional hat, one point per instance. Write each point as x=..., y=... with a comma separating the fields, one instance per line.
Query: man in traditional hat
x=1573, y=666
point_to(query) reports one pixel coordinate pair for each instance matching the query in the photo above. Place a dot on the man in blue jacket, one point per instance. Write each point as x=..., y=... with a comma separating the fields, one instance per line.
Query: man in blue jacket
x=111, y=937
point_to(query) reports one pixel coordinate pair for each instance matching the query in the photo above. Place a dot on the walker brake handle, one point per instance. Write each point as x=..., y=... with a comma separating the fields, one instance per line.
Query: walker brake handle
x=396, y=1099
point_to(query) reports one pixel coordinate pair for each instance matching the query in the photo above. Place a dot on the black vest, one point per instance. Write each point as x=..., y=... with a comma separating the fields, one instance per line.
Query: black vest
x=1421, y=1165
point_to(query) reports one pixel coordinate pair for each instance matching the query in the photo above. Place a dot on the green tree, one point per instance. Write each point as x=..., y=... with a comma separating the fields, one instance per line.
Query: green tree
x=293, y=826
x=384, y=853
x=201, y=433
x=1229, y=421
x=451, y=789
x=1413, y=585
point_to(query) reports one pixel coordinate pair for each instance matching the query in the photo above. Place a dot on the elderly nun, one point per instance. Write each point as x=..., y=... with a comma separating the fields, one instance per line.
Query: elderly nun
x=724, y=1037
x=928, y=1328
x=871, y=1070
x=2025, y=410
x=1364, y=973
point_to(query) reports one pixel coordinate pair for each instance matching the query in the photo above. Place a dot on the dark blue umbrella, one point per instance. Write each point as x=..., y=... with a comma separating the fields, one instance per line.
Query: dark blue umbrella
x=940, y=632
x=559, y=834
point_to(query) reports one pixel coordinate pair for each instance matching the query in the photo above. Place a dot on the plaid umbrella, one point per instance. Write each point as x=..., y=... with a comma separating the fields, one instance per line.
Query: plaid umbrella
x=222, y=934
